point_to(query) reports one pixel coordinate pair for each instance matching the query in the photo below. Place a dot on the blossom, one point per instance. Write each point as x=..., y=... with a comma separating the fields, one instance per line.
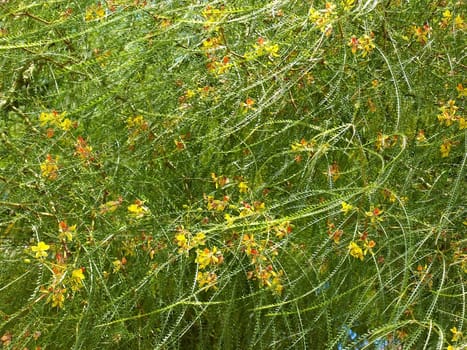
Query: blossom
x=136, y=122
x=219, y=181
x=355, y=250
x=119, y=264
x=83, y=150
x=448, y=113
x=368, y=246
x=137, y=210
x=58, y=297
x=66, y=124
x=207, y=278
x=374, y=214
x=181, y=241
x=217, y=204
x=110, y=206
x=56, y=119
x=447, y=16
x=422, y=33
x=324, y=18
x=456, y=334
x=66, y=232
x=445, y=148
x=366, y=44
x=348, y=4
x=420, y=136
x=208, y=256
x=462, y=92
x=77, y=277
x=212, y=17
x=49, y=168
x=243, y=187
x=94, y=12
x=346, y=208
x=263, y=48
x=40, y=249
x=283, y=229
x=248, y=105
x=354, y=44
x=219, y=67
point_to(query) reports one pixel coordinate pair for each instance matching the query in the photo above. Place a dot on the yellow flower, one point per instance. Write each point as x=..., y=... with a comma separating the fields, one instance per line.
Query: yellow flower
x=445, y=148
x=207, y=278
x=448, y=113
x=456, y=335
x=462, y=124
x=366, y=44
x=421, y=136
x=272, y=50
x=348, y=4
x=111, y=206
x=346, y=207
x=181, y=240
x=207, y=257
x=447, y=16
x=374, y=214
x=49, y=168
x=77, y=277
x=354, y=44
x=66, y=232
x=459, y=22
x=136, y=122
x=138, y=210
x=355, y=250
x=199, y=239
x=94, y=12
x=40, y=249
x=368, y=246
x=462, y=92
x=58, y=297
x=66, y=124
x=243, y=187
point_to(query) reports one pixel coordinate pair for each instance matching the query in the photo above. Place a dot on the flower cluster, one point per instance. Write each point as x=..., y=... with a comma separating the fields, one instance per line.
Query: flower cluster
x=447, y=21
x=262, y=48
x=421, y=34
x=449, y=115
x=385, y=141
x=303, y=146
x=260, y=255
x=41, y=250
x=208, y=258
x=359, y=251
x=110, y=206
x=217, y=65
x=136, y=125
x=213, y=17
x=364, y=44
x=334, y=233
x=56, y=292
x=49, y=168
x=66, y=232
x=55, y=119
x=83, y=151
x=323, y=19
x=137, y=210
x=374, y=214
x=186, y=241
x=94, y=12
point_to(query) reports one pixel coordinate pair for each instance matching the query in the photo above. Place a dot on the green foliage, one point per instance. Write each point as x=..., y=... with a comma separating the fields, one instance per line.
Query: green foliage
x=232, y=175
